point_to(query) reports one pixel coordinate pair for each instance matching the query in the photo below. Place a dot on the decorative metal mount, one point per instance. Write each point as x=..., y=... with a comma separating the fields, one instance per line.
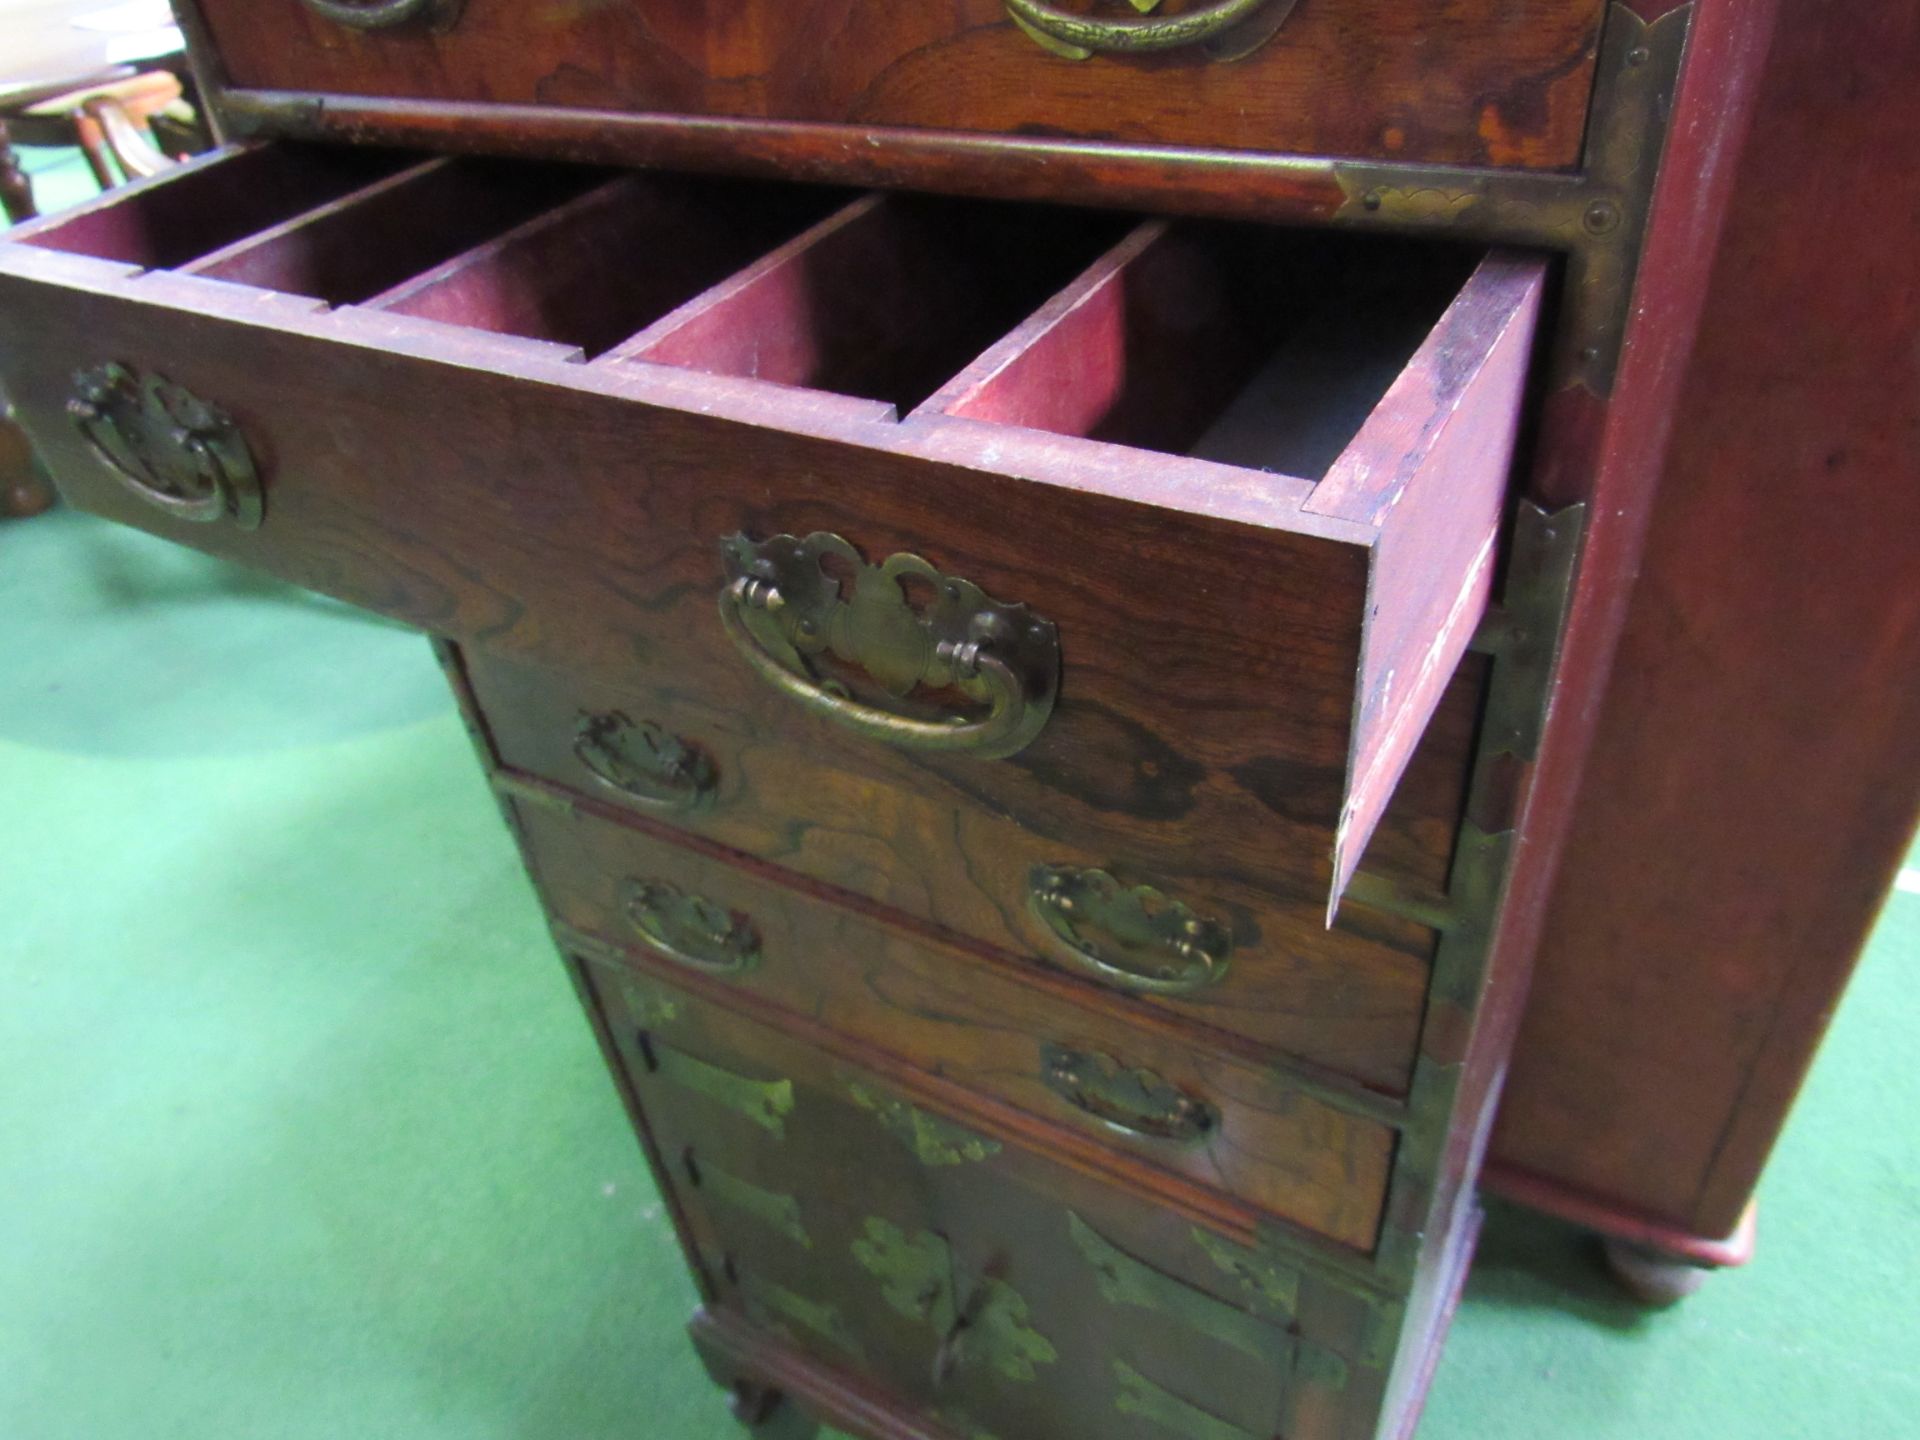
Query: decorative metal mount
x=769, y=1304
x=915, y=1273
x=1598, y=216
x=784, y=608
x=767, y=1103
x=918, y=1278
x=1137, y=1395
x=933, y=1141
x=1132, y=939
x=167, y=446
x=1125, y=1280
x=1226, y=30
x=1272, y=1286
x=779, y=1212
x=1523, y=631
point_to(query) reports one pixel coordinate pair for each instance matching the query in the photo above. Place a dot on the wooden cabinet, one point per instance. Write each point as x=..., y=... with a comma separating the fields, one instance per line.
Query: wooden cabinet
x=1077, y=587
x=1474, y=82
x=976, y=1277
x=1042, y=729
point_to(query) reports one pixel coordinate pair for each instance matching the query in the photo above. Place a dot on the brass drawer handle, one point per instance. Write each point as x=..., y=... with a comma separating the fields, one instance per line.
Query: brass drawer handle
x=387, y=14
x=691, y=929
x=1229, y=30
x=1132, y=939
x=1133, y=1101
x=167, y=446
x=642, y=761
x=784, y=609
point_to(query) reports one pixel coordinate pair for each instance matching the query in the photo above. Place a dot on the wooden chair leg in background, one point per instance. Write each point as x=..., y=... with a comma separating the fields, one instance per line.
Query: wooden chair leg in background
x=23, y=489
x=16, y=191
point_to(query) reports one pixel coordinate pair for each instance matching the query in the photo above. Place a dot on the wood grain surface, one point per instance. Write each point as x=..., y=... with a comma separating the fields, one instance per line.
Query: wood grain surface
x=1752, y=782
x=480, y=486
x=1346, y=999
x=1008, y=1209
x=1490, y=82
x=977, y=1023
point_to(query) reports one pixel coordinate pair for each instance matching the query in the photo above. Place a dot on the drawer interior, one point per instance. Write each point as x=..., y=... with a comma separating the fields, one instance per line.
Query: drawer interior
x=1244, y=345
x=1344, y=406
x=351, y=249
x=594, y=270
x=1260, y=348
x=209, y=203
x=886, y=301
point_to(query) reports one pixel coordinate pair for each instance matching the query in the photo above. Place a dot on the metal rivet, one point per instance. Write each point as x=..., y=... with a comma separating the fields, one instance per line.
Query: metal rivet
x=1639, y=55
x=1600, y=217
x=1371, y=200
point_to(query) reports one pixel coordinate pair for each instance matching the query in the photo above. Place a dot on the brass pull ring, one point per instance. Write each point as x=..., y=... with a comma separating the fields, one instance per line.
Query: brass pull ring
x=691, y=929
x=643, y=762
x=167, y=446
x=1132, y=939
x=1229, y=29
x=387, y=14
x=1133, y=1101
x=781, y=609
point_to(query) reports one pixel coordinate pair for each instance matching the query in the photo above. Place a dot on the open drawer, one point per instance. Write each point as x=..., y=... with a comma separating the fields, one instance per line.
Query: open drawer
x=1169, y=533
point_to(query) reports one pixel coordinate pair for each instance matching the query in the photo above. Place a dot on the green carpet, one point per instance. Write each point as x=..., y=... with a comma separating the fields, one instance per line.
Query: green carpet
x=302, y=1135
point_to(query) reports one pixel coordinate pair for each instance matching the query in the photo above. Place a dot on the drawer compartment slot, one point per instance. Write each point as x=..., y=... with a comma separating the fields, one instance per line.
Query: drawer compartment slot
x=1380, y=377
x=601, y=267
x=1259, y=348
x=884, y=301
x=208, y=203
x=353, y=248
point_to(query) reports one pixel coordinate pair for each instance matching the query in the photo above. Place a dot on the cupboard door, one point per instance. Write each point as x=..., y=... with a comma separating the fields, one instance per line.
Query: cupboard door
x=967, y=1274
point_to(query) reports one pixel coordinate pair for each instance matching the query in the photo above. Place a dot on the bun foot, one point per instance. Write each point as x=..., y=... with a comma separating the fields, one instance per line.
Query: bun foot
x=767, y=1414
x=23, y=490
x=1654, y=1277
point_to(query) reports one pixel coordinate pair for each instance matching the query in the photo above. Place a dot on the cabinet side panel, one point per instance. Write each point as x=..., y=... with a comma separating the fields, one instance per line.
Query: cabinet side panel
x=1756, y=770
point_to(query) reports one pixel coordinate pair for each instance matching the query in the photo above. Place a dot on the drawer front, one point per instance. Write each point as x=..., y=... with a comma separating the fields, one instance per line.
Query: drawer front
x=1076, y=582
x=973, y=1278
x=1124, y=1092
x=1481, y=82
x=1177, y=918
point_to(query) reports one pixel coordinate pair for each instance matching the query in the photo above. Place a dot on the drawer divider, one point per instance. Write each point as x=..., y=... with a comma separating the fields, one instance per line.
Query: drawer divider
x=883, y=300
x=591, y=271
x=352, y=248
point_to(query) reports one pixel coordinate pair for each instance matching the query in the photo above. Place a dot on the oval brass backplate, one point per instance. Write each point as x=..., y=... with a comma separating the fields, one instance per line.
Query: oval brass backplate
x=1225, y=30
x=641, y=761
x=691, y=929
x=388, y=14
x=1132, y=938
x=167, y=446
x=794, y=607
x=1126, y=1098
